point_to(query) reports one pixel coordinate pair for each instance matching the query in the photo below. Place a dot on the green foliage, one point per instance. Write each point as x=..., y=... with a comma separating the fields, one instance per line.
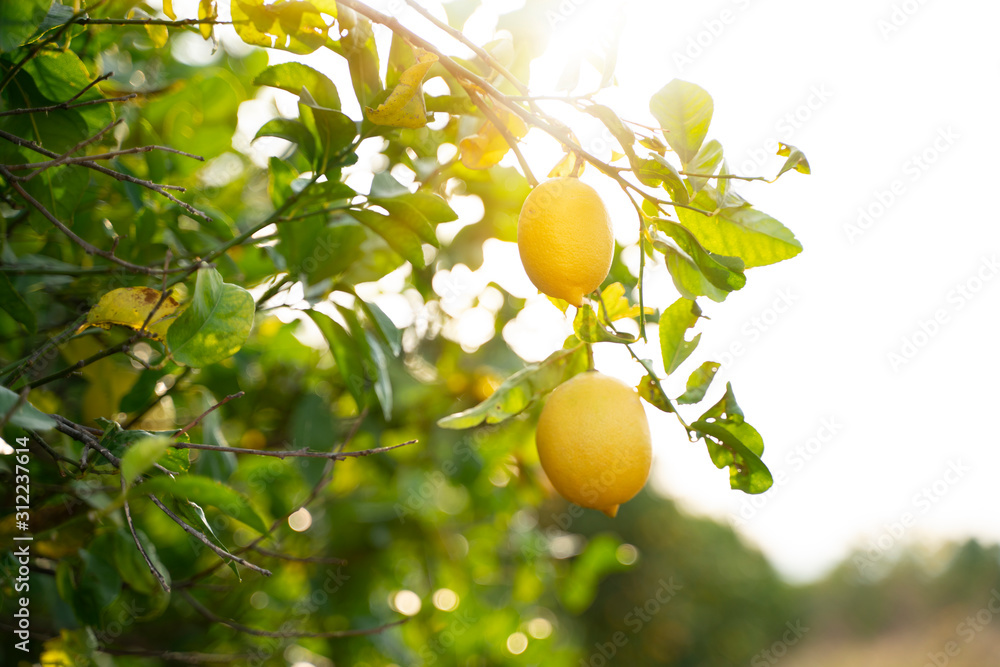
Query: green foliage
x=313, y=302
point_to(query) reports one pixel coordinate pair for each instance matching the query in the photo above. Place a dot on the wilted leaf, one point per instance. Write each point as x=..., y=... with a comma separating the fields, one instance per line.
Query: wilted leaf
x=796, y=160
x=405, y=105
x=487, y=147
x=130, y=307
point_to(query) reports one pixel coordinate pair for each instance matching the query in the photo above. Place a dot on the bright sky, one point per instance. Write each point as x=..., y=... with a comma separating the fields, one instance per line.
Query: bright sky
x=867, y=361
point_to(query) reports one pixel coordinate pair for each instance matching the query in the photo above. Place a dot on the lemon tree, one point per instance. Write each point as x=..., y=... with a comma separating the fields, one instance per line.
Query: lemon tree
x=234, y=334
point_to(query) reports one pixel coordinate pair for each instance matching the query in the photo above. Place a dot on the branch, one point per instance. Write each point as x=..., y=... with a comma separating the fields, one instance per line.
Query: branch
x=87, y=247
x=178, y=23
x=300, y=559
x=190, y=426
x=507, y=136
x=207, y=542
x=204, y=611
x=176, y=656
x=479, y=51
x=71, y=103
x=283, y=454
x=135, y=538
x=155, y=187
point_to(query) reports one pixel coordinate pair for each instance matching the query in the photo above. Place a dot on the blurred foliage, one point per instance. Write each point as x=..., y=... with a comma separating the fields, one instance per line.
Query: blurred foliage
x=321, y=324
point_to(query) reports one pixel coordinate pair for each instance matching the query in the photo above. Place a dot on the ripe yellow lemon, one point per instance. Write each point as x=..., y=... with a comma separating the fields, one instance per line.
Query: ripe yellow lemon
x=593, y=441
x=565, y=239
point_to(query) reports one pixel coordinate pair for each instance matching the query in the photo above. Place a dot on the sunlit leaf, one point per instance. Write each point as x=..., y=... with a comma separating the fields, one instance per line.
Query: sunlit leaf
x=796, y=159
x=744, y=232
x=589, y=328
x=293, y=77
x=214, y=325
x=521, y=389
x=487, y=147
x=291, y=25
x=698, y=383
x=684, y=111
x=131, y=307
x=674, y=323
x=208, y=492
x=405, y=105
x=141, y=456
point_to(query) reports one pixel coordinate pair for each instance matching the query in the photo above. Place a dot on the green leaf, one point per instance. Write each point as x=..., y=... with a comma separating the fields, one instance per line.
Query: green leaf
x=216, y=323
x=674, y=323
x=346, y=353
x=733, y=442
x=744, y=232
x=684, y=111
x=396, y=233
x=522, y=389
x=27, y=416
x=194, y=516
x=746, y=471
x=141, y=456
x=698, y=383
x=723, y=272
x=60, y=75
x=705, y=162
x=388, y=332
x=650, y=391
x=335, y=132
x=15, y=305
x=205, y=491
x=358, y=47
x=18, y=20
x=294, y=76
x=589, y=328
x=659, y=170
x=132, y=567
x=619, y=130
x=293, y=131
x=796, y=160
x=687, y=277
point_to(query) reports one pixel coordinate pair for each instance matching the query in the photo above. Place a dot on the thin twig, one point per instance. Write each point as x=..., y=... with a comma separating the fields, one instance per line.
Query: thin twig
x=142, y=549
x=293, y=453
x=68, y=105
x=87, y=247
x=67, y=159
x=479, y=51
x=150, y=185
x=506, y=134
x=189, y=658
x=313, y=494
x=178, y=23
x=300, y=559
x=207, y=613
x=21, y=400
x=68, y=154
x=207, y=542
x=197, y=419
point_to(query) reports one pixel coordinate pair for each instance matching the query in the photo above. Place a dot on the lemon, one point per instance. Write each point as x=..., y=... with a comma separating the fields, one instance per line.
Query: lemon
x=565, y=239
x=593, y=441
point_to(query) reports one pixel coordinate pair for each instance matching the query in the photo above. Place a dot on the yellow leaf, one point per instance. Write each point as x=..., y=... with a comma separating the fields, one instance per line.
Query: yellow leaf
x=159, y=35
x=615, y=305
x=206, y=10
x=570, y=165
x=405, y=105
x=168, y=9
x=487, y=147
x=129, y=307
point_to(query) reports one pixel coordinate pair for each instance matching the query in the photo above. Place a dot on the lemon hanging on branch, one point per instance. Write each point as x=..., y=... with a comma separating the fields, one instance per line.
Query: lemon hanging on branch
x=593, y=441
x=565, y=239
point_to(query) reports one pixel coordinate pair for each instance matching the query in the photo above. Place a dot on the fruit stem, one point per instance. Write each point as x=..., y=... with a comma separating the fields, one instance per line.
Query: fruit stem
x=590, y=356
